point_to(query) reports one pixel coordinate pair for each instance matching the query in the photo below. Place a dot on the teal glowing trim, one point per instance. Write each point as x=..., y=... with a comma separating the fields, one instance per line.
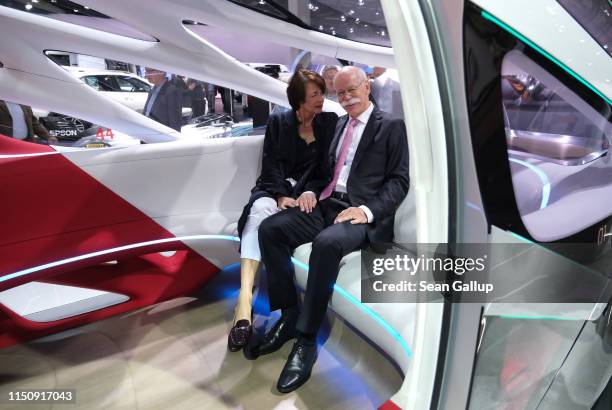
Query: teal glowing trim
x=111, y=251
x=525, y=317
x=339, y=289
x=543, y=178
x=366, y=309
x=519, y=237
x=544, y=53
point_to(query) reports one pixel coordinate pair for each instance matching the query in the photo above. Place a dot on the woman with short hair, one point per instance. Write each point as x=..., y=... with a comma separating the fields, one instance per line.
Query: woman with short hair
x=294, y=146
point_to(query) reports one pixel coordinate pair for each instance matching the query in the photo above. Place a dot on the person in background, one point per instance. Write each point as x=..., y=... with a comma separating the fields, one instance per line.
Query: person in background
x=180, y=82
x=226, y=99
x=386, y=92
x=165, y=100
x=19, y=122
x=328, y=73
x=197, y=97
x=296, y=143
x=210, y=96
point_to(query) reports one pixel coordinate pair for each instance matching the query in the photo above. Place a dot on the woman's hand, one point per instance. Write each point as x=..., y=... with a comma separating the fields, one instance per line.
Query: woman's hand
x=307, y=201
x=285, y=202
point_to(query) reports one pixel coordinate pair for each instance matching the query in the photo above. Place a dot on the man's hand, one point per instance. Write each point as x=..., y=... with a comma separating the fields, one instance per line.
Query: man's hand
x=353, y=214
x=307, y=201
x=285, y=202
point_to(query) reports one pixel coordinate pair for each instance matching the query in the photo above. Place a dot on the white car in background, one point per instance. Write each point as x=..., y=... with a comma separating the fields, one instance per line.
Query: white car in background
x=123, y=87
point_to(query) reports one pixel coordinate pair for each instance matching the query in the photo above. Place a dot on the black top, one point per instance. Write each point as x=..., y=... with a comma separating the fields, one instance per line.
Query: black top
x=306, y=155
x=286, y=155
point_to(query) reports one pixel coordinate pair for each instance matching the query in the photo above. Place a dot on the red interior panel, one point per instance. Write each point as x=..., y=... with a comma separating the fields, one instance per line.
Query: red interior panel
x=52, y=210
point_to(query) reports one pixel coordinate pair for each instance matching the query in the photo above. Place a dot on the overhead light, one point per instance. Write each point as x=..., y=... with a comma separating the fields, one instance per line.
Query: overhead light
x=382, y=33
x=28, y=6
x=333, y=32
x=360, y=2
x=34, y=1
x=76, y=10
x=378, y=13
x=320, y=27
x=342, y=18
x=87, y=7
x=262, y=2
x=365, y=25
x=351, y=12
x=351, y=30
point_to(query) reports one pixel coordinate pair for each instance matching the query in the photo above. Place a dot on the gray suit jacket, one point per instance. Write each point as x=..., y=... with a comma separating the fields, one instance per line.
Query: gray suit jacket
x=168, y=106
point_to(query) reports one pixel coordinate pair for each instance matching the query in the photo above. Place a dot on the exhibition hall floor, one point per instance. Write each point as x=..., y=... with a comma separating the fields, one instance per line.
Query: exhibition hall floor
x=174, y=355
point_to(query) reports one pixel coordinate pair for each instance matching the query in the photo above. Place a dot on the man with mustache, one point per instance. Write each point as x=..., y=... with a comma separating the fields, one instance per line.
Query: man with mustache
x=361, y=184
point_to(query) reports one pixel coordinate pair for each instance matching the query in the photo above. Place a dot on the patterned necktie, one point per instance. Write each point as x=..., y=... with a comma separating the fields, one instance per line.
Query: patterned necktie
x=341, y=159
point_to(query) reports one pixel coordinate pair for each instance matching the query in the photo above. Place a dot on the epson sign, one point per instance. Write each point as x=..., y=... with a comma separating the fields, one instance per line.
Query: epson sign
x=63, y=133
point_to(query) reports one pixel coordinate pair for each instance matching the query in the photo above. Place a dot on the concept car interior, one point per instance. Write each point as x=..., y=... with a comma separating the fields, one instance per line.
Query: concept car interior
x=118, y=264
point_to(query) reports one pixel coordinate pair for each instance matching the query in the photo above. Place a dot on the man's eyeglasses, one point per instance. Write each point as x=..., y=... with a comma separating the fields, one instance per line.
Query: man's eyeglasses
x=350, y=91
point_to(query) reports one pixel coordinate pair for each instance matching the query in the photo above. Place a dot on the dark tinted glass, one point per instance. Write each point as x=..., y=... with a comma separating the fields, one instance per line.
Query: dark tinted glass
x=101, y=82
x=595, y=16
x=130, y=84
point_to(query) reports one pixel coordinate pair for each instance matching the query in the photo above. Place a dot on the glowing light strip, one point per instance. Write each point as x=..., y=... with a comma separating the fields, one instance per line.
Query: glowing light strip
x=231, y=266
x=366, y=309
x=517, y=236
x=296, y=262
x=473, y=206
x=543, y=178
x=538, y=317
x=113, y=250
x=544, y=53
x=37, y=154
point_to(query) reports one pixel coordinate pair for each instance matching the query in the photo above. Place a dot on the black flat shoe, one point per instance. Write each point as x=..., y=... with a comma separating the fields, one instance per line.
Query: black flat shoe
x=298, y=368
x=240, y=334
x=282, y=331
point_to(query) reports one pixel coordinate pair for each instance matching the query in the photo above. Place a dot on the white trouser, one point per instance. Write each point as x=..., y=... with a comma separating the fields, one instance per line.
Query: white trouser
x=249, y=243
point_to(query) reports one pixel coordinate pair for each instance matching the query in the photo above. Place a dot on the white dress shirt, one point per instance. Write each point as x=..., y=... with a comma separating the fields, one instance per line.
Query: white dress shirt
x=154, y=94
x=344, y=173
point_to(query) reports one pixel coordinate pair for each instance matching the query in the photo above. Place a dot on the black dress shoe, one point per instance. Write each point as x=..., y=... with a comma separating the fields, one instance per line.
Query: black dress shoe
x=275, y=338
x=298, y=367
x=239, y=335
